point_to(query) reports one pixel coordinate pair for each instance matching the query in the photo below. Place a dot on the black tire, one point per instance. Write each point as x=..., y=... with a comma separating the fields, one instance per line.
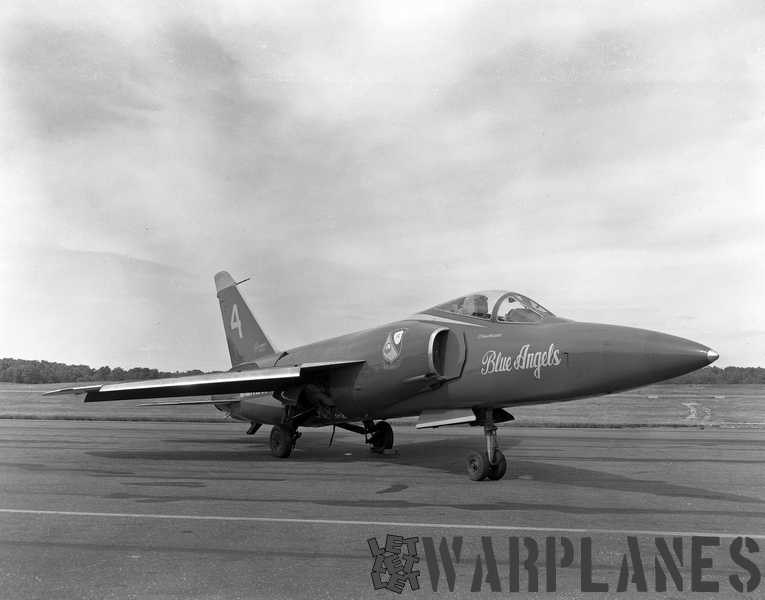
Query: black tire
x=281, y=441
x=386, y=431
x=477, y=466
x=499, y=468
x=382, y=438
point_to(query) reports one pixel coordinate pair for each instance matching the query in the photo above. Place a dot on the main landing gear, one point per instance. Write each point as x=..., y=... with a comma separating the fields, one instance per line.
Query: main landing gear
x=491, y=463
x=381, y=438
x=378, y=435
x=284, y=436
x=283, y=440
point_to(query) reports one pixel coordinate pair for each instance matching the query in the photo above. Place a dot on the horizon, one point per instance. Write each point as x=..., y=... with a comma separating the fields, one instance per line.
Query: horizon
x=126, y=368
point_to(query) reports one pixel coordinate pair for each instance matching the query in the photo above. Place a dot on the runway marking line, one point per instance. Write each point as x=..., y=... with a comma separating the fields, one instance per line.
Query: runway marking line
x=72, y=513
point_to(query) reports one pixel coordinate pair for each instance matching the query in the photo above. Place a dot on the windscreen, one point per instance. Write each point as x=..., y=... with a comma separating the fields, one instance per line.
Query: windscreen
x=479, y=304
x=509, y=307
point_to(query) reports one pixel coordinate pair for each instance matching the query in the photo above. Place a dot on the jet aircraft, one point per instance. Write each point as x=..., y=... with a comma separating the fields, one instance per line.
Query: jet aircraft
x=466, y=361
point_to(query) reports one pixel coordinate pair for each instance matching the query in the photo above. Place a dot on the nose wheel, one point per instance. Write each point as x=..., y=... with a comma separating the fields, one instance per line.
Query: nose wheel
x=491, y=463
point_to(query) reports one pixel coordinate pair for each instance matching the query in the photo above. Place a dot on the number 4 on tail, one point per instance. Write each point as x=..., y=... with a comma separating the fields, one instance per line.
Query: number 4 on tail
x=235, y=322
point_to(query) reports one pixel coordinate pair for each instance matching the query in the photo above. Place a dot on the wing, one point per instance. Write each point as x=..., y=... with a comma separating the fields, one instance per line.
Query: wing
x=257, y=380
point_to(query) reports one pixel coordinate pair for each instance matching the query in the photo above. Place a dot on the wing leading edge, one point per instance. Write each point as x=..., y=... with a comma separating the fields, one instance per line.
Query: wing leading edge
x=257, y=380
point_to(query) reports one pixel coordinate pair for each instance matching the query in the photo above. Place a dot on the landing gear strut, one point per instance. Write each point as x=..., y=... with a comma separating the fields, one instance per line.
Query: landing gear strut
x=491, y=463
x=378, y=435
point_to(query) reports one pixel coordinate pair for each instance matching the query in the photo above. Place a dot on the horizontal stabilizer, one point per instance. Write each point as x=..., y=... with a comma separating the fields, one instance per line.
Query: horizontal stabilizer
x=256, y=380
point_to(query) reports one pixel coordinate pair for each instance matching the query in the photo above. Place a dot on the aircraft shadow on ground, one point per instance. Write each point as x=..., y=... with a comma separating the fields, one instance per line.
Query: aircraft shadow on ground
x=444, y=455
x=451, y=458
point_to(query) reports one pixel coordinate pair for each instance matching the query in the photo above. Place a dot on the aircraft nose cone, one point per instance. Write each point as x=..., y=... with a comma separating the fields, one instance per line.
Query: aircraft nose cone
x=674, y=355
x=614, y=357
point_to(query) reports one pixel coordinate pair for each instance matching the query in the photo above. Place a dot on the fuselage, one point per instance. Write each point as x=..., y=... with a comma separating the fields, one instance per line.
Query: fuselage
x=438, y=361
x=467, y=360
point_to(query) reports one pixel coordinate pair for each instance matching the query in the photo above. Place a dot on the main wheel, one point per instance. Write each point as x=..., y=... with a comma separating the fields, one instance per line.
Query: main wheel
x=477, y=466
x=382, y=438
x=499, y=468
x=281, y=441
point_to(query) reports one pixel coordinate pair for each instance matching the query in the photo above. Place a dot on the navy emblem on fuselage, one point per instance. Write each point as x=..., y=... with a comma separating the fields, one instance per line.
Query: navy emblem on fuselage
x=393, y=345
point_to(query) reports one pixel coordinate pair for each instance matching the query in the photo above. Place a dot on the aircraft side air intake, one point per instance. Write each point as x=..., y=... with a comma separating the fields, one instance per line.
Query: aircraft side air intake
x=411, y=359
x=446, y=353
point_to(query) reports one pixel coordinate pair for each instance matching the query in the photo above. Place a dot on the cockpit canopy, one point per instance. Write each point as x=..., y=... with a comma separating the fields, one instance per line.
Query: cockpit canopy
x=498, y=305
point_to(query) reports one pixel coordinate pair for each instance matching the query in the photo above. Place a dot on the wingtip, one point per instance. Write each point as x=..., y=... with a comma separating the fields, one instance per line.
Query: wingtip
x=59, y=392
x=84, y=389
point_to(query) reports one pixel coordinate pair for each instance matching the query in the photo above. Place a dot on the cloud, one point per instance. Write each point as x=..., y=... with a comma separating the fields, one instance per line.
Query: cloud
x=75, y=82
x=362, y=161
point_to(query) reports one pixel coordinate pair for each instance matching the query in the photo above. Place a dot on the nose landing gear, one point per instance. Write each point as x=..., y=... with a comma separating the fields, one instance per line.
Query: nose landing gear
x=491, y=463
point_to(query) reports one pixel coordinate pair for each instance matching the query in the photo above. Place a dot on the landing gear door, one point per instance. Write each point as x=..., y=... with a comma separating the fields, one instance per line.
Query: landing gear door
x=446, y=353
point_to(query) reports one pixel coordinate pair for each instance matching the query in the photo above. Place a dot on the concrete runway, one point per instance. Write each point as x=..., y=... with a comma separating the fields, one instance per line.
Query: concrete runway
x=179, y=510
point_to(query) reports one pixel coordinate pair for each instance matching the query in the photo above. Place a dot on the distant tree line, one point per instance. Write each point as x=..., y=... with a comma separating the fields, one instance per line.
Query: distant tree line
x=723, y=376
x=15, y=370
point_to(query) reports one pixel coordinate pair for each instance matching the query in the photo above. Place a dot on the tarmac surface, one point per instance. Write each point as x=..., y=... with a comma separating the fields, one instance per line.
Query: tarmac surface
x=193, y=510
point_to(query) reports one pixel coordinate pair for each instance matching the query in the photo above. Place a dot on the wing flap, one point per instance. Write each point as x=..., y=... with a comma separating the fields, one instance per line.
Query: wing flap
x=191, y=402
x=259, y=380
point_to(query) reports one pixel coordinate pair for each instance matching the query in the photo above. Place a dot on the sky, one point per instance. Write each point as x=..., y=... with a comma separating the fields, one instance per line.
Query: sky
x=361, y=161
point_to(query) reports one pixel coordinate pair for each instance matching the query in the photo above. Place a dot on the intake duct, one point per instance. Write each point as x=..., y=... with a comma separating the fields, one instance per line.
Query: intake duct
x=446, y=353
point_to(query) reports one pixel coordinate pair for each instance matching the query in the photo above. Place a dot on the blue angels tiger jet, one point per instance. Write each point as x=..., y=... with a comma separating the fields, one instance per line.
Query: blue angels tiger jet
x=467, y=361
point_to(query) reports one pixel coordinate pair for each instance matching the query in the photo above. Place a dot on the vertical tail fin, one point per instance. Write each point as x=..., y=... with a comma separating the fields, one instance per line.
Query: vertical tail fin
x=246, y=340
